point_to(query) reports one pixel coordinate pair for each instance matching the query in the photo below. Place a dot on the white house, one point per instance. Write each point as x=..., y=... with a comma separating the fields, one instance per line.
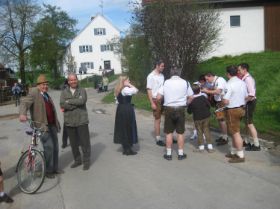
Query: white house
x=242, y=31
x=246, y=25
x=91, y=51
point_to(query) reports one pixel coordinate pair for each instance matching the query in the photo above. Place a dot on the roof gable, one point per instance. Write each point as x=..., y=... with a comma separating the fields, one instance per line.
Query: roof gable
x=93, y=19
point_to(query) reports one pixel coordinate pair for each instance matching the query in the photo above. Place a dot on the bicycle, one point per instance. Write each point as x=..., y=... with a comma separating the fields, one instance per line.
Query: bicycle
x=31, y=166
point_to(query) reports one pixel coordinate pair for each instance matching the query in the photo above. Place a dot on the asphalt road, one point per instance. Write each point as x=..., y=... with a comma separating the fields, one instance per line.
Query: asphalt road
x=144, y=181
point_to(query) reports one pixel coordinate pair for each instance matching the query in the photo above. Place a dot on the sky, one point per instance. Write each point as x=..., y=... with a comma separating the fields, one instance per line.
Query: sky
x=117, y=11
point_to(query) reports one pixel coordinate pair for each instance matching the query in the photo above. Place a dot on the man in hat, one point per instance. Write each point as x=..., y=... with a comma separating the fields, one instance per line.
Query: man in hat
x=43, y=113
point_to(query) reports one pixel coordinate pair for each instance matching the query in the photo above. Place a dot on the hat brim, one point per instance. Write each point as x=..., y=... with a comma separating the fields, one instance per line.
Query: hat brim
x=42, y=82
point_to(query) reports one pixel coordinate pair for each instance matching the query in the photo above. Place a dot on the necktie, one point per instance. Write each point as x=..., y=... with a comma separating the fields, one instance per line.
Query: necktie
x=46, y=97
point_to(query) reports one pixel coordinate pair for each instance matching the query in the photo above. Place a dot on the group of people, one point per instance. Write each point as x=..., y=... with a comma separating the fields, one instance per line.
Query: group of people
x=233, y=100
x=236, y=98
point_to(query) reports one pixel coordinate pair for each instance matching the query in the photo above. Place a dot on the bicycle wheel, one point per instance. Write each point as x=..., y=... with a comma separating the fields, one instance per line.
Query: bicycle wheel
x=31, y=170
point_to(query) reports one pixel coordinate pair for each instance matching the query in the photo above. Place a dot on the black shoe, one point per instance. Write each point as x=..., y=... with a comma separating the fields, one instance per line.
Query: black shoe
x=246, y=144
x=76, y=164
x=58, y=172
x=167, y=157
x=50, y=175
x=222, y=142
x=219, y=139
x=253, y=148
x=63, y=146
x=129, y=152
x=182, y=157
x=86, y=166
x=6, y=199
x=161, y=143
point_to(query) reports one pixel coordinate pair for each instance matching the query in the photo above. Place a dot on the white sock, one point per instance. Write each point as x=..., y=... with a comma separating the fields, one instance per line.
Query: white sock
x=168, y=151
x=233, y=150
x=256, y=142
x=246, y=140
x=240, y=153
x=2, y=194
x=158, y=138
x=201, y=147
x=209, y=146
x=180, y=151
x=194, y=132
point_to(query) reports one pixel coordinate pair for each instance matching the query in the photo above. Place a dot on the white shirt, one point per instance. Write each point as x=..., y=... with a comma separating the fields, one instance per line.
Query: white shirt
x=236, y=92
x=219, y=83
x=251, y=85
x=175, y=91
x=154, y=82
x=127, y=91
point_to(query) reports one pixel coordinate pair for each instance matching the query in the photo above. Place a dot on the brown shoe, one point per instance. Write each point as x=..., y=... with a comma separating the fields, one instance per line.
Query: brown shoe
x=237, y=160
x=229, y=155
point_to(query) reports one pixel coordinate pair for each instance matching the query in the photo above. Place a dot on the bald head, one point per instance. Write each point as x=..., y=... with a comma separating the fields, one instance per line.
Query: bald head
x=73, y=80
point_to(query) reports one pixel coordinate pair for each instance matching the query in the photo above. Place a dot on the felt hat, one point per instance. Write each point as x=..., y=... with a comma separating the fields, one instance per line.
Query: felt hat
x=42, y=79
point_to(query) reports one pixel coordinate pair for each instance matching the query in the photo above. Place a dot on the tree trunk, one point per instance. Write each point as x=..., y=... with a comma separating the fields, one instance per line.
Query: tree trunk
x=21, y=67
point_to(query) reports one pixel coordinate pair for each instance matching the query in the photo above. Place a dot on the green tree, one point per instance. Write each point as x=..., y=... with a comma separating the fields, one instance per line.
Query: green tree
x=17, y=19
x=180, y=32
x=50, y=38
x=138, y=59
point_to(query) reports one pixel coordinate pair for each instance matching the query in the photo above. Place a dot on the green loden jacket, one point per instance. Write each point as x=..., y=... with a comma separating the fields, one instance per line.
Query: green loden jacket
x=74, y=107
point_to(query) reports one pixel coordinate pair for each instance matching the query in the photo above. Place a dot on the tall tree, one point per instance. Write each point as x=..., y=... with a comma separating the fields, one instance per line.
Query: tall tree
x=17, y=19
x=50, y=38
x=180, y=32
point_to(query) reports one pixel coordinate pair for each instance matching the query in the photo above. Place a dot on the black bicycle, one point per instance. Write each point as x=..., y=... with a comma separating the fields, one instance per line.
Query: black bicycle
x=31, y=167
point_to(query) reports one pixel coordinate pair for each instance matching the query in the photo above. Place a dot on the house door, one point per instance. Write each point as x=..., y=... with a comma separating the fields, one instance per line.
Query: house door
x=272, y=29
x=107, y=65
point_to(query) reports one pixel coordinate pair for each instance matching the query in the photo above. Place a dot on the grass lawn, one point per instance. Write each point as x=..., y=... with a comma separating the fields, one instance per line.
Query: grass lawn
x=265, y=68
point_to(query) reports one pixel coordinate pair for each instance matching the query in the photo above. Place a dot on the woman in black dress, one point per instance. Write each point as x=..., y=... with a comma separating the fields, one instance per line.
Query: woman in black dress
x=125, y=132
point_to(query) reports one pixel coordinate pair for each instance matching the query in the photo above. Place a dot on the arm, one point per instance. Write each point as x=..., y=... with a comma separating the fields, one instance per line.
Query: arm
x=25, y=105
x=63, y=105
x=80, y=101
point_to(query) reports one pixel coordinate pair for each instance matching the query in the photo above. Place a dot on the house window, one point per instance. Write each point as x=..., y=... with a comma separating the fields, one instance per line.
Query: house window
x=235, y=21
x=106, y=47
x=85, y=48
x=99, y=31
x=87, y=65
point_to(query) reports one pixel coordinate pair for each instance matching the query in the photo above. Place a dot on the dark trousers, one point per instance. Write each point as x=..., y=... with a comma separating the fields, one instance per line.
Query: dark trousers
x=64, y=135
x=50, y=145
x=79, y=136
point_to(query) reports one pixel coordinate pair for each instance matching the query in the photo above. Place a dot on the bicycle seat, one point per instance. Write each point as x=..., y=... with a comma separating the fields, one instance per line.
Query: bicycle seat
x=29, y=132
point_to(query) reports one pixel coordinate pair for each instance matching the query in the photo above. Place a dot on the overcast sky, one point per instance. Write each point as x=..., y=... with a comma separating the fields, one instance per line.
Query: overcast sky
x=117, y=11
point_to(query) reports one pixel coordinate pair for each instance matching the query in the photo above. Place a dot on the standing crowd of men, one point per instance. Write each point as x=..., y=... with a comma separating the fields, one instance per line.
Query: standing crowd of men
x=233, y=100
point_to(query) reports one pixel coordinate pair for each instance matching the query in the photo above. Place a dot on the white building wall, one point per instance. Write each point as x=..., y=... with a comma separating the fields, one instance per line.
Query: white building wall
x=87, y=37
x=249, y=37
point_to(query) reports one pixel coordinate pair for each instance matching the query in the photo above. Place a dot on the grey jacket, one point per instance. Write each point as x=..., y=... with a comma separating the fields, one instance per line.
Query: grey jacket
x=74, y=107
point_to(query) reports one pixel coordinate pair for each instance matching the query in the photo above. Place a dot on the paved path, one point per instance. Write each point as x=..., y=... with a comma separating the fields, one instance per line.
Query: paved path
x=144, y=181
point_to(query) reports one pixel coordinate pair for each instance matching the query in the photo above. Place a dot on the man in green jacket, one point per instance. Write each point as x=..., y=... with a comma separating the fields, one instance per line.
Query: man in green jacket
x=73, y=104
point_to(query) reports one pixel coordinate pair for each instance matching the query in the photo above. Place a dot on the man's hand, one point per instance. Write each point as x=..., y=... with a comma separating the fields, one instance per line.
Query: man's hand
x=153, y=106
x=22, y=118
